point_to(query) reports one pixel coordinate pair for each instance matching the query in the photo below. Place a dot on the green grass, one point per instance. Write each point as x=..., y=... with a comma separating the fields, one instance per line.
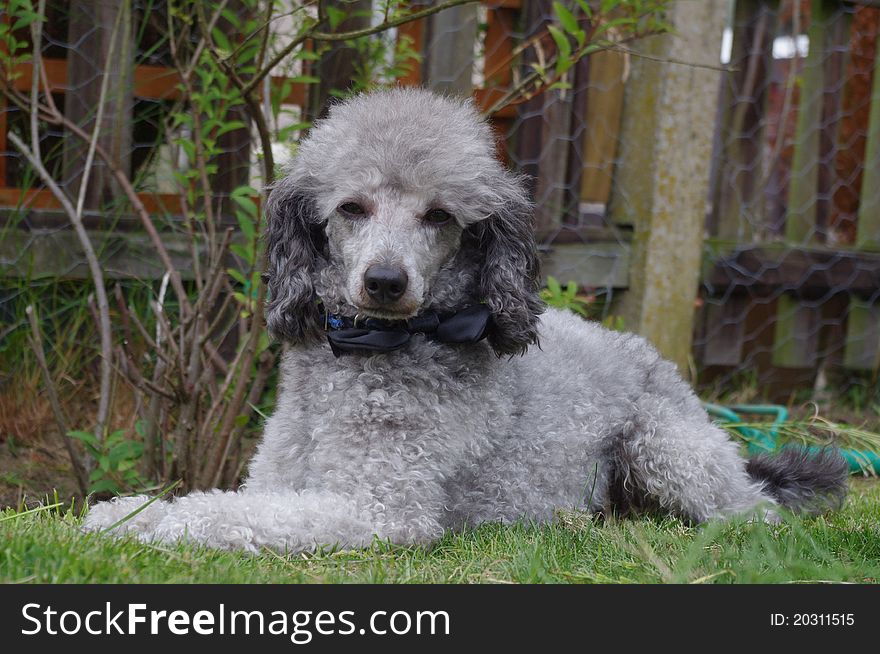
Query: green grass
x=47, y=547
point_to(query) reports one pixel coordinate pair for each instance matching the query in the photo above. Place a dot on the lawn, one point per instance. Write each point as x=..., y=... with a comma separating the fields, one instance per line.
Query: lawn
x=47, y=547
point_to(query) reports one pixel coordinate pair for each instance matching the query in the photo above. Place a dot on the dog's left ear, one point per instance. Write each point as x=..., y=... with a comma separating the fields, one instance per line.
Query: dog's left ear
x=509, y=275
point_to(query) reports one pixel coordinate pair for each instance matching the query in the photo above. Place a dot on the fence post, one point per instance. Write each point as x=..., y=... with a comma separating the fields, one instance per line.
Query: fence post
x=661, y=185
x=92, y=26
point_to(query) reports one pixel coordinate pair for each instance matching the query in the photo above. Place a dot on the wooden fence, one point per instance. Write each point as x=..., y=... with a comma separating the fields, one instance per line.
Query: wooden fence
x=627, y=182
x=792, y=271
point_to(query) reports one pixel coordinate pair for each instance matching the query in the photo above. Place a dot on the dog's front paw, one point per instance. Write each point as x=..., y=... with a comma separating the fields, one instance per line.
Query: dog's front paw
x=104, y=515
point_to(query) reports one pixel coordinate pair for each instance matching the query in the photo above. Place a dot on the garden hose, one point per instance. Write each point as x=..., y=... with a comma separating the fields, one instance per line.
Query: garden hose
x=766, y=439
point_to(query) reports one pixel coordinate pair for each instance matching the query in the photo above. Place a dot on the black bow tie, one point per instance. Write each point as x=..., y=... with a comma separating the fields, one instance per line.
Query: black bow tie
x=371, y=335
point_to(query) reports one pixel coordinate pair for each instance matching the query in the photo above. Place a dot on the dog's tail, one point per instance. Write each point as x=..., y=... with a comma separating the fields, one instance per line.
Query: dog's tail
x=802, y=480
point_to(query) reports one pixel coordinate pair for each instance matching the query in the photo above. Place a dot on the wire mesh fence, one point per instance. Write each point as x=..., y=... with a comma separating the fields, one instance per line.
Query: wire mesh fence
x=789, y=291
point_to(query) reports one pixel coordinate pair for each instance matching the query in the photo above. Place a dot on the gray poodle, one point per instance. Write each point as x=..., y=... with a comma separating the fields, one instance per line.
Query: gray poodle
x=423, y=385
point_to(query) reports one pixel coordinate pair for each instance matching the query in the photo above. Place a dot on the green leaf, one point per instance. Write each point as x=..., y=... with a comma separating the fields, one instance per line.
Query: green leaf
x=307, y=55
x=566, y=18
x=559, y=86
x=237, y=276
x=124, y=466
x=334, y=16
x=230, y=126
x=246, y=203
x=305, y=79
x=242, y=252
x=246, y=225
x=221, y=40
x=105, y=485
x=563, y=62
x=553, y=285
x=586, y=8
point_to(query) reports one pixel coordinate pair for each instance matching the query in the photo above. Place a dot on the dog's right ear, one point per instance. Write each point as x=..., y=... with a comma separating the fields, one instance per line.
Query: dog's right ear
x=294, y=240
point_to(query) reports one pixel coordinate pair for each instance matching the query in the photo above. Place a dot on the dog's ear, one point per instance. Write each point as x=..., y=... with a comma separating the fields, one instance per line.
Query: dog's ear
x=510, y=271
x=294, y=240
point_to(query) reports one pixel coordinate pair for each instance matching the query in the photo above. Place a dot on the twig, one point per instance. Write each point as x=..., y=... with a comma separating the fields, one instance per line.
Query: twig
x=94, y=269
x=60, y=421
x=37, y=36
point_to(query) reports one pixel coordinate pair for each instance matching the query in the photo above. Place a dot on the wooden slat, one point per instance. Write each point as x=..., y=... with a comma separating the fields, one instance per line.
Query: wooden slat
x=765, y=269
x=130, y=255
x=590, y=265
x=800, y=221
x=602, y=136
x=150, y=82
x=57, y=254
x=415, y=30
x=498, y=45
x=863, y=320
x=738, y=204
x=863, y=336
x=796, y=336
x=868, y=234
x=725, y=331
x=3, y=110
x=449, y=50
x=155, y=203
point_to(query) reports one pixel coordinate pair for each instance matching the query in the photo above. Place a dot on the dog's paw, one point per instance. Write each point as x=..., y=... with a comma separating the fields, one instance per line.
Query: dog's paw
x=104, y=515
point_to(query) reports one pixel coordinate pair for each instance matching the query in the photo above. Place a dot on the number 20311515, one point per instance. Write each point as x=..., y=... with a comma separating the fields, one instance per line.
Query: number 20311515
x=812, y=620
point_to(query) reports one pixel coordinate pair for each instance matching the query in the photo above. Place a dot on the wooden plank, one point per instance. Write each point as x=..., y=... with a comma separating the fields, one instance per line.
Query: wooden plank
x=868, y=234
x=590, y=265
x=449, y=50
x=724, y=332
x=130, y=255
x=796, y=335
x=863, y=335
x=155, y=203
x=813, y=271
x=498, y=46
x=150, y=82
x=3, y=109
x=602, y=136
x=800, y=221
x=837, y=43
x=104, y=55
x=57, y=254
x=339, y=62
x=863, y=320
x=738, y=202
x=415, y=30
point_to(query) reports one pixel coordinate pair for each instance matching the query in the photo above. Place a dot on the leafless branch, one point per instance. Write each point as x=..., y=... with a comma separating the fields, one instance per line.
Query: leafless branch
x=52, y=393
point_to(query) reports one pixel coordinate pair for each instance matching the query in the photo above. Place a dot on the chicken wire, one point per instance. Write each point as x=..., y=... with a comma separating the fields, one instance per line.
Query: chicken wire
x=566, y=141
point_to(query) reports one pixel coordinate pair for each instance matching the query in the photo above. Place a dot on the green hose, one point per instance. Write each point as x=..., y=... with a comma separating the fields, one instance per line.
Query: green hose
x=765, y=440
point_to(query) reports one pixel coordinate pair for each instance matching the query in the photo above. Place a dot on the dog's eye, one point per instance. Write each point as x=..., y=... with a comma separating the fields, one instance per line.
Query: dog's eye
x=352, y=209
x=437, y=217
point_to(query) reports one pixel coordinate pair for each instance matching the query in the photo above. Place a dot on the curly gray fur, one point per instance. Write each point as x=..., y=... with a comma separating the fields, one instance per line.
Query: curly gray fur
x=407, y=444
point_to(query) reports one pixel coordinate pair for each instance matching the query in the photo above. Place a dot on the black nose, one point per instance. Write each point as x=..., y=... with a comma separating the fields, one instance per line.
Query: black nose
x=385, y=284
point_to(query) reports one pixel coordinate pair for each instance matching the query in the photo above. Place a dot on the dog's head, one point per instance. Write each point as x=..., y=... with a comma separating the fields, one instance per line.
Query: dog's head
x=395, y=203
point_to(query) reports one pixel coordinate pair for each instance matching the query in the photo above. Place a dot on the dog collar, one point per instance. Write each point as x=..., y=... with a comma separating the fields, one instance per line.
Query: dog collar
x=372, y=335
